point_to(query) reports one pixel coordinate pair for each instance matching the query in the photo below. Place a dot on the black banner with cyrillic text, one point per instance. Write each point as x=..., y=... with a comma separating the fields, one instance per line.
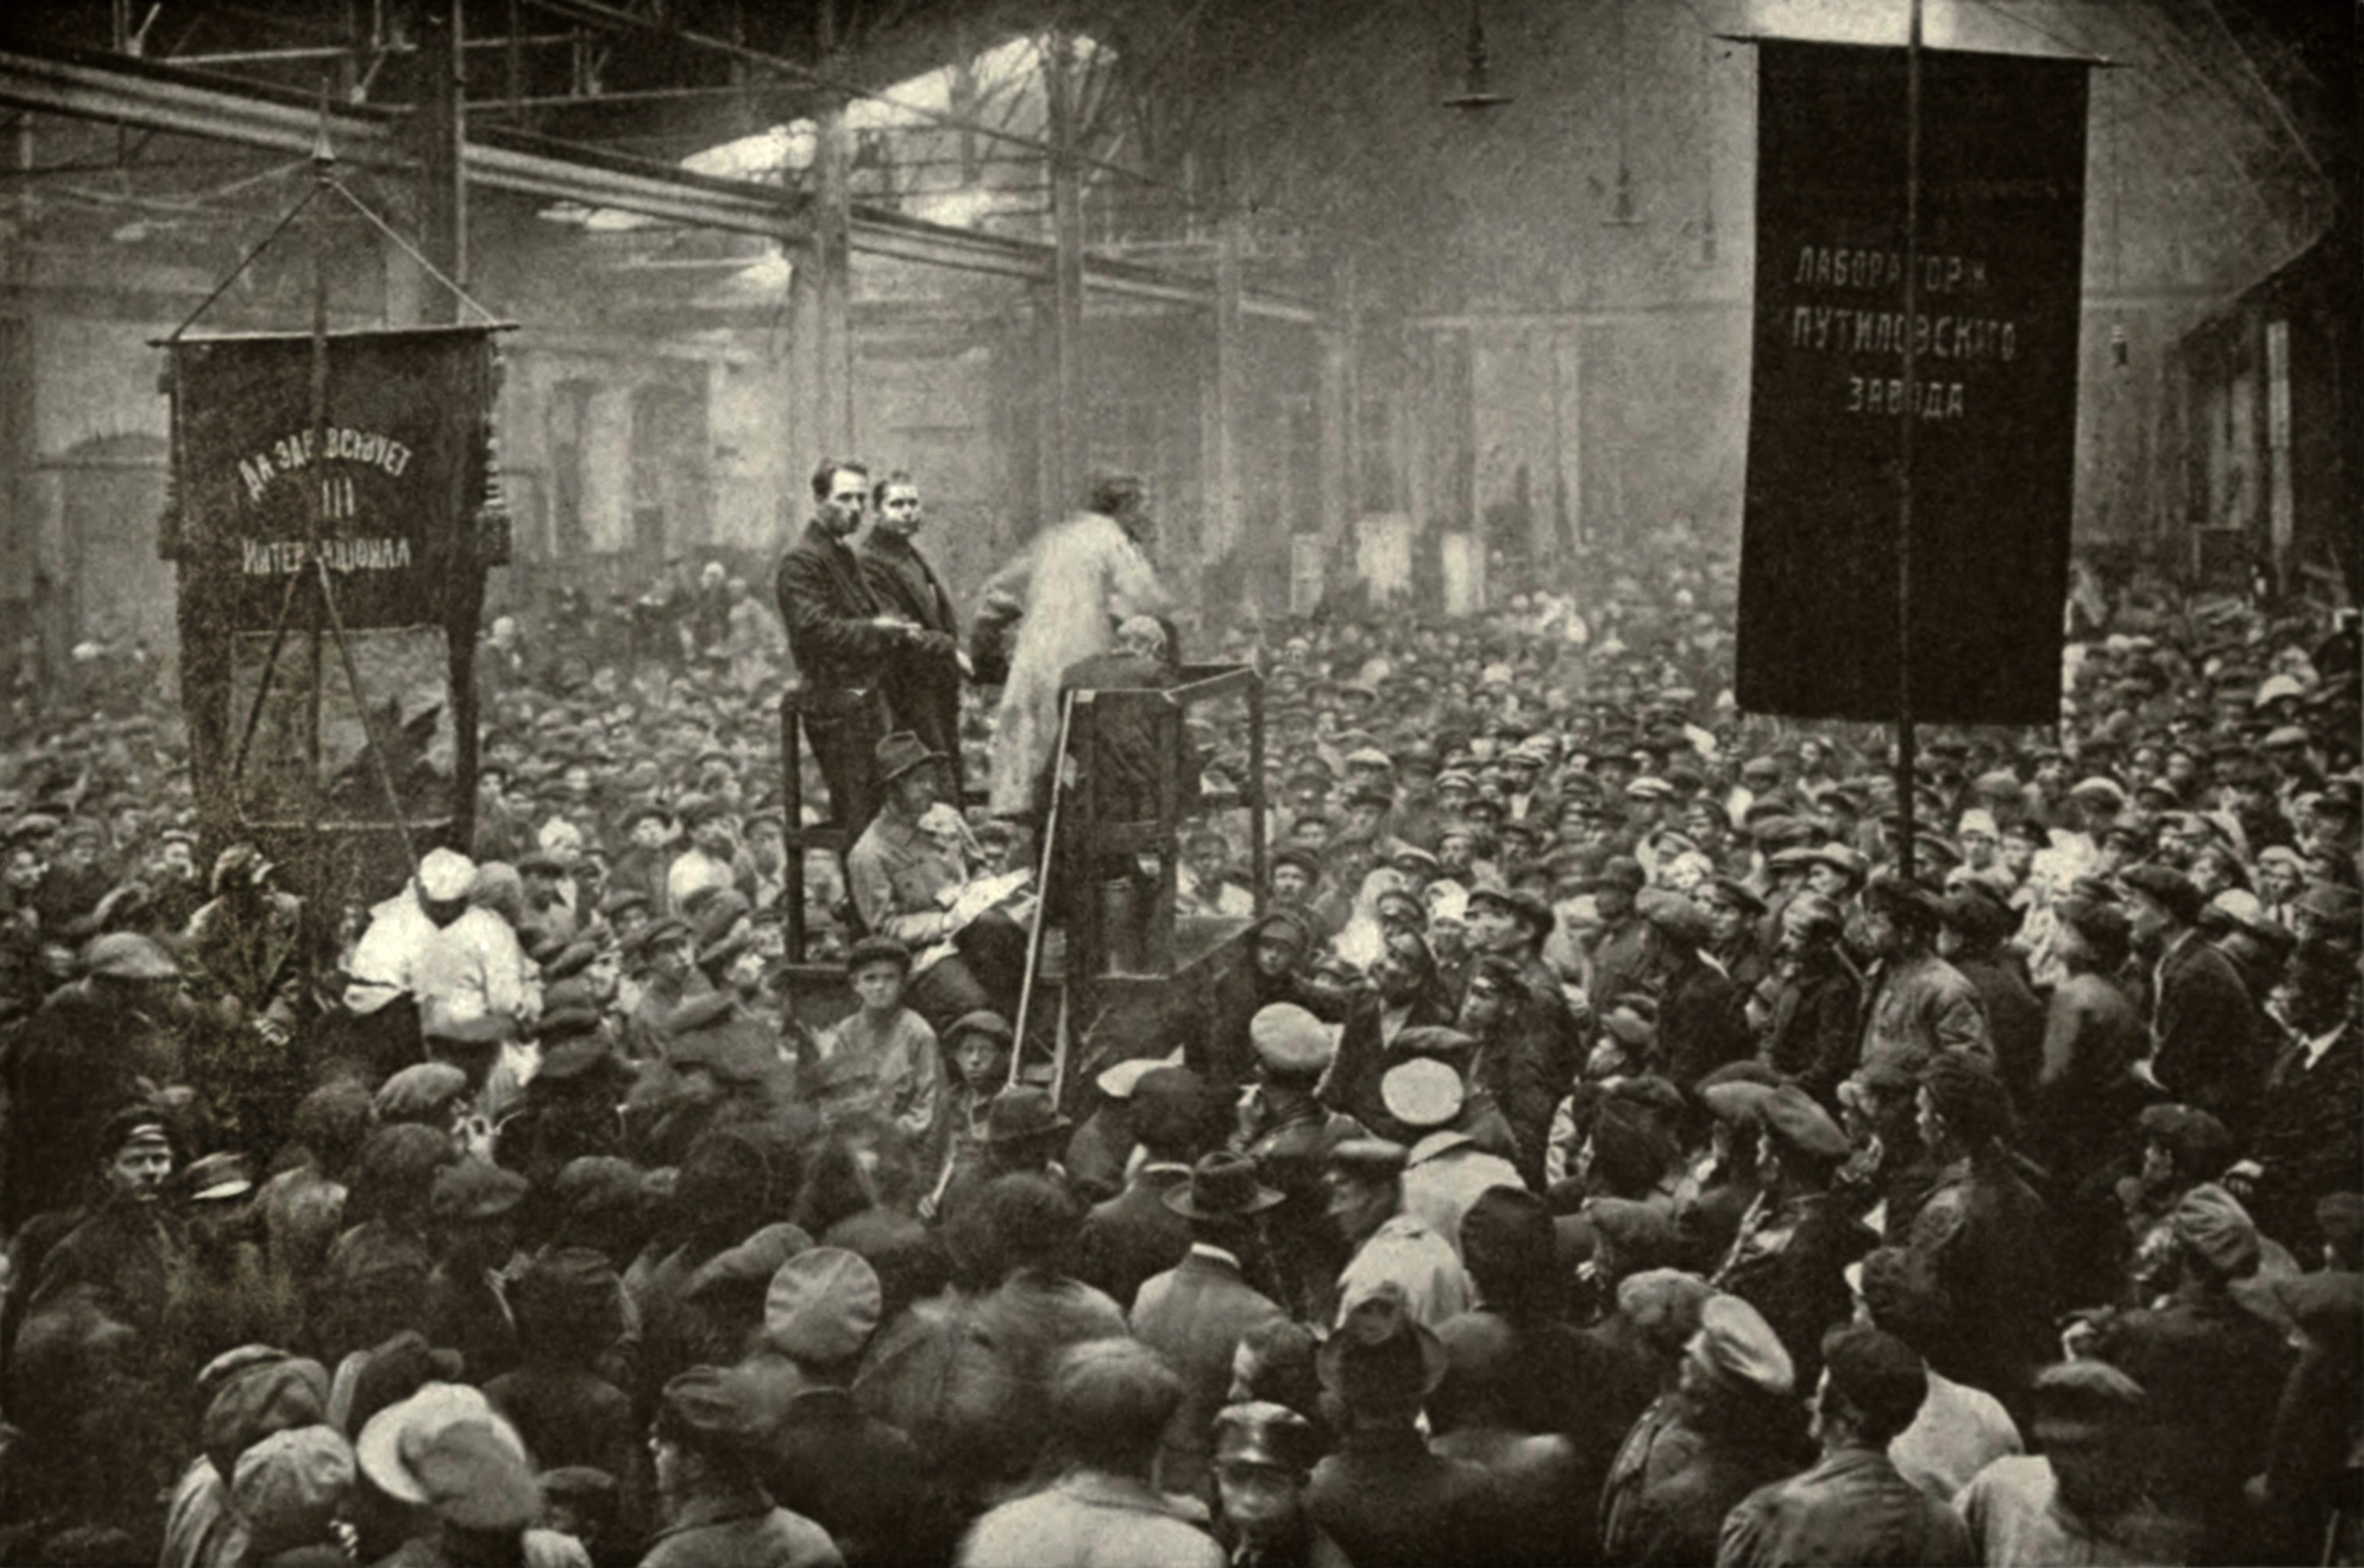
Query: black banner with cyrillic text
x=1994, y=328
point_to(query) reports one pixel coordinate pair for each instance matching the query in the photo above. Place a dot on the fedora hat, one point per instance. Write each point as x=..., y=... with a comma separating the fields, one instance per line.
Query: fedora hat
x=1222, y=1185
x=1021, y=1112
x=900, y=752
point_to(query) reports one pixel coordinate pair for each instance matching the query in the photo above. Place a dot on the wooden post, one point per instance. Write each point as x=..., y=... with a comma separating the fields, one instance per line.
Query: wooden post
x=1063, y=431
x=1224, y=507
x=1907, y=827
x=832, y=300
x=443, y=183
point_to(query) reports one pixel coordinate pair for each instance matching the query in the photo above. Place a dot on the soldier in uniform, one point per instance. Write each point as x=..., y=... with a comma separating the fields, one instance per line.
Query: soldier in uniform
x=1290, y=1134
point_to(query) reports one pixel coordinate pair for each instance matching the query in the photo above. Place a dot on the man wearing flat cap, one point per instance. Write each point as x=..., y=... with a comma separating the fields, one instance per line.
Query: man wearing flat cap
x=706, y=1438
x=1853, y=1506
x=1983, y=1241
x=1289, y=1132
x=1196, y=1313
x=1265, y=1454
x=1728, y=1426
x=1444, y=1170
x=2212, y=1371
x=2207, y=1049
x=82, y=1055
x=1789, y=1258
x=821, y=1455
x=1394, y=1253
x=1918, y=1005
x=1620, y=950
x=1701, y=1022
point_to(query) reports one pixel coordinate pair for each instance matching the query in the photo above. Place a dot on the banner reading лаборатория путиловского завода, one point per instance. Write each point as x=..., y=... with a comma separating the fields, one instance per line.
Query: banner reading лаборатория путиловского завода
x=1993, y=326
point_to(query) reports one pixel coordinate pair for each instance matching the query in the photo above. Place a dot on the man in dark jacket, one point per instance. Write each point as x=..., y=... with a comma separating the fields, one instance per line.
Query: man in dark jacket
x=1136, y=1234
x=1383, y=1496
x=1981, y=1245
x=2204, y=1032
x=1728, y=1427
x=1977, y=922
x=1789, y=1259
x=923, y=679
x=1816, y=1006
x=1196, y=1313
x=2211, y=1370
x=1853, y=1506
x=1700, y=1024
x=850, y=1472
x=840, y=637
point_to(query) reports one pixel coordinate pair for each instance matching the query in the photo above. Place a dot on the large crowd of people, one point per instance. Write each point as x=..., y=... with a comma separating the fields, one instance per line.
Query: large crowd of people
x=1608, y=1139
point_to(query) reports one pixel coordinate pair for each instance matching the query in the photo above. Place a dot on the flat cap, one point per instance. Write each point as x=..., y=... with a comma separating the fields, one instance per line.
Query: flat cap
x=2177, y=893
x=2212, y=1222
x=1423, y=1092
x=822, y=1306
x=128, y=955
x=1270, y=1436
x=1675, y=917
x=420, y=1091
x=1791, y=1118
x=1368, y=1157
x=1287, y=1039
x=478, y=1189
x=1735, y=1344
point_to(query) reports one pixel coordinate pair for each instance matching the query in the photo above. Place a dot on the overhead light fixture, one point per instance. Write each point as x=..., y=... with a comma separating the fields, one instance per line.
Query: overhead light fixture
x=1475, y=92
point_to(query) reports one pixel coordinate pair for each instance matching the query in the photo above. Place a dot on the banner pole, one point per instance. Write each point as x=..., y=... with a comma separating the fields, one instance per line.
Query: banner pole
x=1908, y=828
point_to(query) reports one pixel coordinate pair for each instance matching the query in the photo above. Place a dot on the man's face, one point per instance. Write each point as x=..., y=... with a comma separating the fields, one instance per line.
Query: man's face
x=25, y=870
x=980, y=1060
x=899, y=514
x=1979, y=849
x=1724, y=918
x=1483, y=1008
x=1363, y=819
x=1612, y=902
x=674, y=960
x=880, y=985
x=139, y=1169
x=1261, y=1501
x=1206, y=863
x=1356, y=1207
x=1275, y=955
x=848, y=497
x=1879, y=932
x=2148, y=919
x=916, y=791
x=81, y=853
x=1493, y=928
x=714, y=837
x=1826, y=880
x=1288, y=883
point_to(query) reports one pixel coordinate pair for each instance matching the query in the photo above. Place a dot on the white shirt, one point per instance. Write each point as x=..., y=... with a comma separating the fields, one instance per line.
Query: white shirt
x=1959, y=1431
x=470, y=968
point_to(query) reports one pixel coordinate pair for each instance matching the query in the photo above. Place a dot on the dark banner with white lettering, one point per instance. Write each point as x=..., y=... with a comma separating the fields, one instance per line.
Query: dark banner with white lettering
x=291, y=724
x=1995, y=325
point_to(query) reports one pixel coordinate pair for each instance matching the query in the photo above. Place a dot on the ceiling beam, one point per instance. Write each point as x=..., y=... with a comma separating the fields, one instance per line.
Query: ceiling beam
x=158, y=98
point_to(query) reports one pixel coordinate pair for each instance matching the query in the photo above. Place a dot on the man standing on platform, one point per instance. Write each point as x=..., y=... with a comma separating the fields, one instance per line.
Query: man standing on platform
x=839, y=637
x=922, y=680
x=1079, y=580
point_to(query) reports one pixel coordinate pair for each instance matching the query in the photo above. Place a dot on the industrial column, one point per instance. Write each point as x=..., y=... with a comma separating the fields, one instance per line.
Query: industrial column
x=1062, y=428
